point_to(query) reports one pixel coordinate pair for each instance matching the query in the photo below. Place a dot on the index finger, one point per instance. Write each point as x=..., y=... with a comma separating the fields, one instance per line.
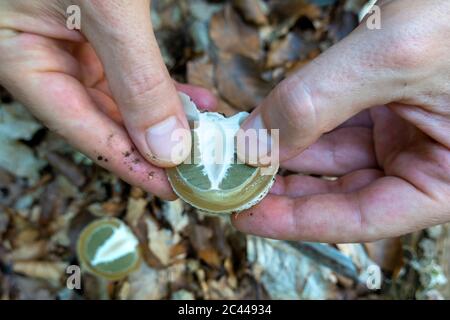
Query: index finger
x=387, y=207
x=122, y=36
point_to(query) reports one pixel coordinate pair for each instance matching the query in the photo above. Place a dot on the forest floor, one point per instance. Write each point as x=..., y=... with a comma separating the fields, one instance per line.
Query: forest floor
x=239, y=50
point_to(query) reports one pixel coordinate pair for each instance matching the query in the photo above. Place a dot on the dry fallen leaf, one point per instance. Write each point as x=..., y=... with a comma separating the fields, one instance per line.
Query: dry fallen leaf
x=292, y=10
x=200, y=236
x=230, y=34
x=67, y=168
x=51, y=271
x=150, y=284
x=173, y=212
x=160, y=241
x=286, y=273
x=4, y=221
x=210, y=256
x=25, y=237
x=239, y=82
x=200, y=72
x=291, y=48
x=219, y=289
x=387, y=253
x=19, y=287
x=342, y=24
x=29, y=251
x=16, y=126
x=253, y=11
x=110, y=208
x=135, y=210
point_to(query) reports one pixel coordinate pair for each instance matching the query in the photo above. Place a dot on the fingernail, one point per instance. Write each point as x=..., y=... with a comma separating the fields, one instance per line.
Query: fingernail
x=169, y=141
x=259, y=141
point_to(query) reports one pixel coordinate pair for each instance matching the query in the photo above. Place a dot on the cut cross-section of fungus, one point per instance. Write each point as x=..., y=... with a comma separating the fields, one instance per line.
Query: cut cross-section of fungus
x=108, y=248
x=217, y=186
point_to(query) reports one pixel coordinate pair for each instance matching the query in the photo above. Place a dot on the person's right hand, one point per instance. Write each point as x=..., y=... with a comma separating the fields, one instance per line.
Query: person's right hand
x=105, y=88
x=373, y=110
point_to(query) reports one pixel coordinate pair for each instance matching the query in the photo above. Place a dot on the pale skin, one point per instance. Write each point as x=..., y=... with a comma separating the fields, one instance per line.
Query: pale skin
x=392, y=160
x=100, y=88
x=374, y=110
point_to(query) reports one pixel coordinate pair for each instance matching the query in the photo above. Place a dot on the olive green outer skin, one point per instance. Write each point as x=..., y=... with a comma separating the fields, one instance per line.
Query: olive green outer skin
x=200, y=201
x=84, y=260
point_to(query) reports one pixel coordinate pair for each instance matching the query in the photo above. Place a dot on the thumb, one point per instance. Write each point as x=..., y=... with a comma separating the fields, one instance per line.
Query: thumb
x=121, y=34
x=343, y=81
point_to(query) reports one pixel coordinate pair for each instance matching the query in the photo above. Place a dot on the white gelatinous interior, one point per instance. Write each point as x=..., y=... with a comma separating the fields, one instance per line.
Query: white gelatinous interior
x=215, y=135
x=190, y=109
x=120, y=243
x=216, y=142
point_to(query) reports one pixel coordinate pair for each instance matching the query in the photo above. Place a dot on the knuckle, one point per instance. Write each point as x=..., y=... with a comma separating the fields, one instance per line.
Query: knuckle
x=144, y=85
x=409, y=50
x=298, y=109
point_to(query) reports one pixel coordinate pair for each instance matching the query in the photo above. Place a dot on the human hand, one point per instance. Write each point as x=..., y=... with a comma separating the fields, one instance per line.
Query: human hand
x=105, y=89
x=393, y=160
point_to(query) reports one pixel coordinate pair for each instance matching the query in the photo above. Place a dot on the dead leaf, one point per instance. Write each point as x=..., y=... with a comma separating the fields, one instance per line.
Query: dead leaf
x=18, y=159
x=179, y=251
x=17, y=124
x=387, y=253
x=287, y=274
x=199, y=236
x=342, y=24
x=25, y=237
x=357, y=253
x=29, y=251
x=19, y=287
x=124, y=291
x=200, y=72
x=173, y=212
x=160, y=241
x=231, y=35
x=150, y=284
x=219, y=289
x=291, y=10
x=135, y=210
x=239, y=82
x=9, y=188
x=254, y=11
x=219, y=226
x=291, y=48
x=182, y=295
x=210, y=256
x=67, y=168
x=4, y=221
x=137, y=193
x=110, y=208
x=51, y=271
x=232, y=279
